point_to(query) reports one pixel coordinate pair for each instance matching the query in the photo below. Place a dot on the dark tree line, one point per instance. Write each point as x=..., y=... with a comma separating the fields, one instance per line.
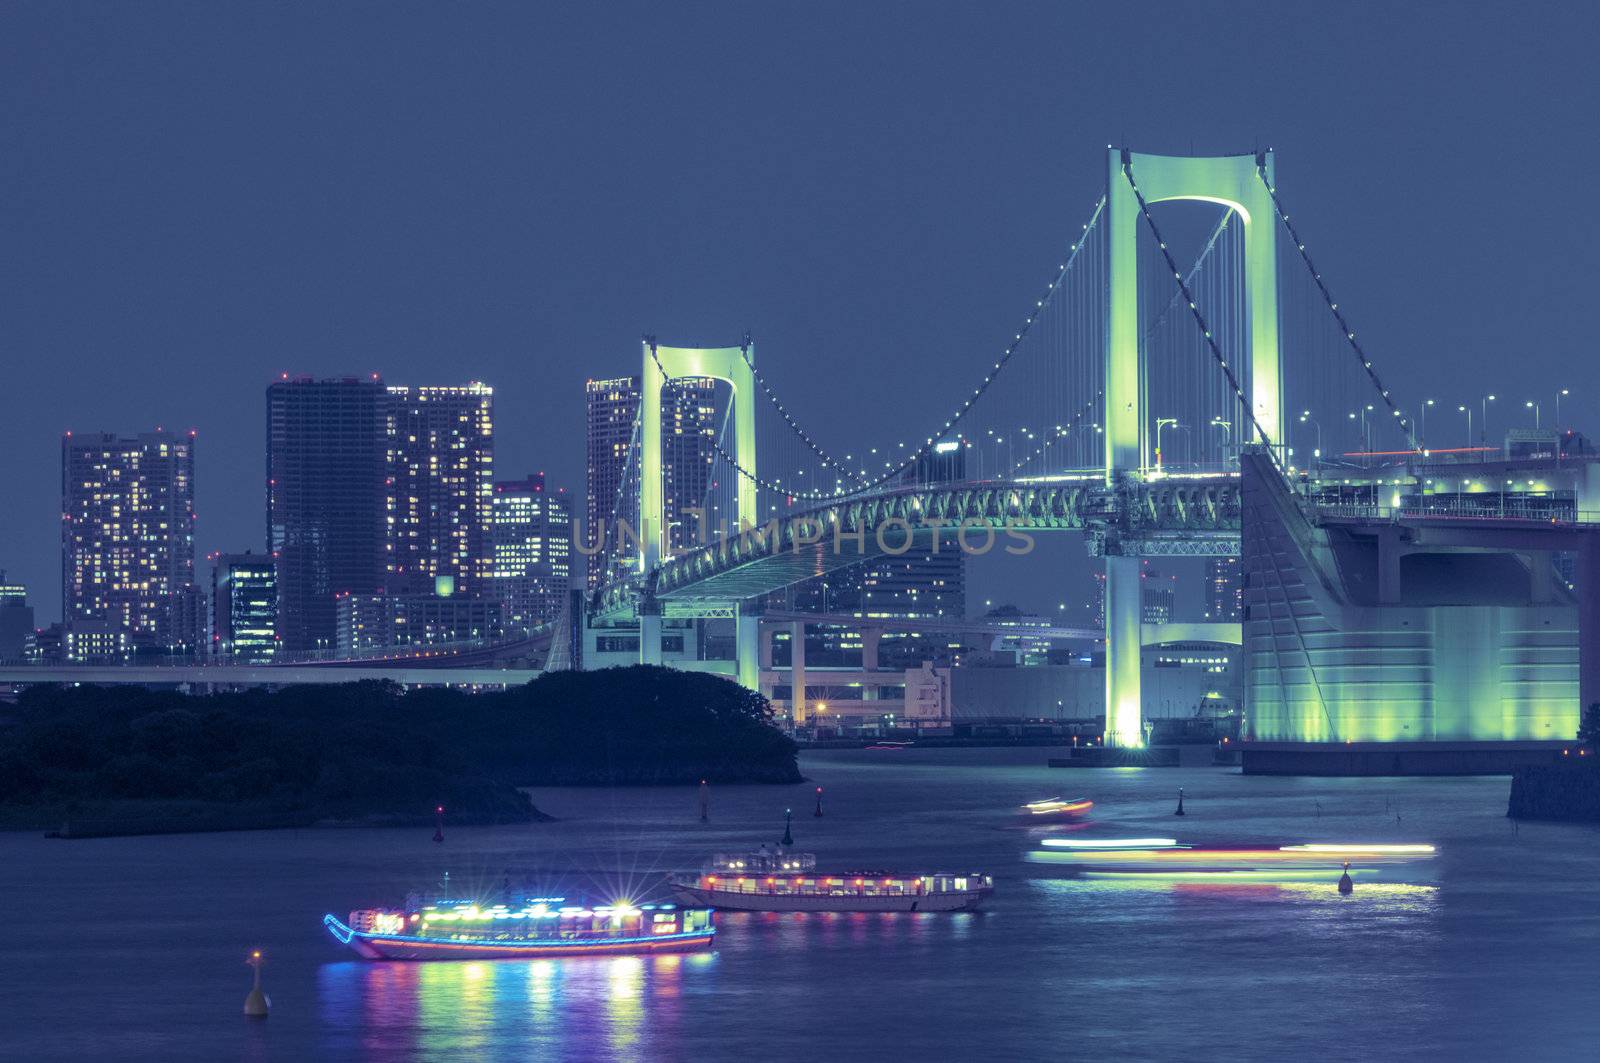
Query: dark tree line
x=371, y=748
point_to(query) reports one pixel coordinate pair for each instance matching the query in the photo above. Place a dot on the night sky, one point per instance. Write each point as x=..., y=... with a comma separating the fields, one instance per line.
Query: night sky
x=197, y=197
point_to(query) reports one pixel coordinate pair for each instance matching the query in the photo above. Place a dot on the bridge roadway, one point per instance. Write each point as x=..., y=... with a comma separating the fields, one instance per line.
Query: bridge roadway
x=1196, y=515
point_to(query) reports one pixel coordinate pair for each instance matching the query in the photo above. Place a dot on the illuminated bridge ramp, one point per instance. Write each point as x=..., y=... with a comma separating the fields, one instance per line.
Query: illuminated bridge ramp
x=1409, y=629
x=1194, y=516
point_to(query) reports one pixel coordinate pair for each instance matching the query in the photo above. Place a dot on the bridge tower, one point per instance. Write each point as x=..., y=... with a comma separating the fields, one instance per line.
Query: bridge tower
x=733, y=366
x=1233, y=181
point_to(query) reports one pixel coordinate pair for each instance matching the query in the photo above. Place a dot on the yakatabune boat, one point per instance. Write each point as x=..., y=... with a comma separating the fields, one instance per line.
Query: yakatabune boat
x=540, y=926
x=781, y=881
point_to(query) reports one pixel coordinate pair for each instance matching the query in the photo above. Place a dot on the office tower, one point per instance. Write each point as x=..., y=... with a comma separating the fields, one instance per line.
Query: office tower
x=688, y=437
x=127, y=534
x=244, y=607
x=326, y=496
x=1224, y=590
x=16, y=621
x=1159, y=594
x=531, y=546
x=613, y=423
x=440, y=479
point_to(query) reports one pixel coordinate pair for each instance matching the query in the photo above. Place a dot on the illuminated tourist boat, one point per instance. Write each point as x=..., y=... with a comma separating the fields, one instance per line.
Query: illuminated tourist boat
x=782, y=881
x=1166, y=856
x=539, y=927
x=1056, y=808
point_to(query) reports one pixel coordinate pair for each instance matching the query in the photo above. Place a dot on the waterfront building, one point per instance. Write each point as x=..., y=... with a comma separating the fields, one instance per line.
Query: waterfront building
x=688, y=437
x=16, y=621
x=439, y=457
x=326, y=500
x=531, y=551
x=1224, y=590
x=95, y=641
x=127, y=533
x=379, y=621
x=1021, y=647
x=244, y=607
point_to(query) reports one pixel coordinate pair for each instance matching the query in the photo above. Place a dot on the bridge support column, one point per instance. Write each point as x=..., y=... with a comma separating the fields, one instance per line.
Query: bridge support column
x=747, y=650
x=797, y=673
x=1124, y=599
x=1541, y=577
x=870, y=638
x=649, y=638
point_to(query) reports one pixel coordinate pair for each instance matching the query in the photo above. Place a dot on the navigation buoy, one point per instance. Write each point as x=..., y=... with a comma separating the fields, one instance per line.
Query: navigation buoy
x=257, y=1003
x=1345, y=885
x=1180, y=811
x=788, y=823
x=705, y=801
x=438, y=821
x=818, y=812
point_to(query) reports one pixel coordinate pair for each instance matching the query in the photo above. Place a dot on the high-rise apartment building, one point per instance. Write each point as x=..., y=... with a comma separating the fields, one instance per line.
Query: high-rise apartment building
x=440, y=486
x=244, y=607
x=127, y=534
x=531, y=548
x=326, y=500
x=688, y=437
x=1224, y=590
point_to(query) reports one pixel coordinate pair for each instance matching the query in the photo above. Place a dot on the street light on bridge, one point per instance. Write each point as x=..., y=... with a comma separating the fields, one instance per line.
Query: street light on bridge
x=1163, y=422
x=1464, y=409
x=1559, y=395
x=1306, y=418
x=1534, y=406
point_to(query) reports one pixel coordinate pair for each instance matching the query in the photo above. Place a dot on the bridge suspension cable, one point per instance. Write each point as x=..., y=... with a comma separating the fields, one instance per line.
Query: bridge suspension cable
x=828, y=460
x=1333, y=307
x=922, y=450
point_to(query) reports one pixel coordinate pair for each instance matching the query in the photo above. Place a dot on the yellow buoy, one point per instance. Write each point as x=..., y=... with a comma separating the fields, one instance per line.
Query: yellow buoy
x=257, y=1003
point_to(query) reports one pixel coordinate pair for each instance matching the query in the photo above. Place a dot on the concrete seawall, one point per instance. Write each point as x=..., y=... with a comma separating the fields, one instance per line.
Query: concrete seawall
x=1396, y=758
x=1568, y=791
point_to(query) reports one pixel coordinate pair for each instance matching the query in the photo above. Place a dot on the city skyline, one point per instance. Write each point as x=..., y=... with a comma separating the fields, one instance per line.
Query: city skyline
x=824, y=265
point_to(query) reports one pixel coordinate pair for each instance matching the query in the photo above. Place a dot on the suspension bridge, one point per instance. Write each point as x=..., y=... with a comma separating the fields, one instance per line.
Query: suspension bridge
x=1184, y=333
x=1117, y=409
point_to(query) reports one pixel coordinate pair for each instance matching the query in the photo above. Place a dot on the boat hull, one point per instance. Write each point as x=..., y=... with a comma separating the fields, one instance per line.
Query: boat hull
x=403, y=947
x=732, y=900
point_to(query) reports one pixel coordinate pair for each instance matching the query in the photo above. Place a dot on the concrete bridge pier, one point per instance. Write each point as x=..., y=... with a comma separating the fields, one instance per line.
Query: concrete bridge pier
x=747, y=649
x=797, y=673
x=1124, y=606
x=649, y=638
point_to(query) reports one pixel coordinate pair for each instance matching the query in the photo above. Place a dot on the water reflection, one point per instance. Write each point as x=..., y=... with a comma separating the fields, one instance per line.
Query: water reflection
x=478, y=1009
x=626, y=1007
